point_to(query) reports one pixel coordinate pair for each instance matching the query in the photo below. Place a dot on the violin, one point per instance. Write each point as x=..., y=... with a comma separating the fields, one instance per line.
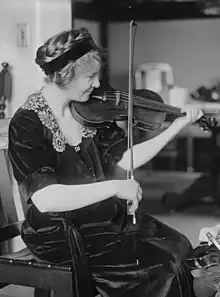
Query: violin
x=149, y=111
x=204, y=257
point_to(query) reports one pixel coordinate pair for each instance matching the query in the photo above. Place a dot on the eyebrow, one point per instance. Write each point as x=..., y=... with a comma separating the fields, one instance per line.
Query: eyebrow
x=94, y=73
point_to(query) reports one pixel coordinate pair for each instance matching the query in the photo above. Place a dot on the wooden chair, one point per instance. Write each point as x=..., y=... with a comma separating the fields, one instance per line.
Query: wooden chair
x=21, y=267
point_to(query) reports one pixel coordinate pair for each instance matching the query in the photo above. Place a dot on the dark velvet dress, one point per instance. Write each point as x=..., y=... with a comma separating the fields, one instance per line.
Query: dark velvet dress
x=40, y=157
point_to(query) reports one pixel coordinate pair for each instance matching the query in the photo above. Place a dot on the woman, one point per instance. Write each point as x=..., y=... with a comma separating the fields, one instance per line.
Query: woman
x=65, y=172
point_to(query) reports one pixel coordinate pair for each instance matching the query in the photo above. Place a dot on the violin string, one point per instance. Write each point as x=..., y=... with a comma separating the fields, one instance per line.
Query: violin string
x=206, y=122
x=154, y=105
x=140, y=100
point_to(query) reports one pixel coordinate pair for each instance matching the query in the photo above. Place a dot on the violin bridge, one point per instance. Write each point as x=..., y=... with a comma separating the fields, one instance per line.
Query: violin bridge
x=117, y=97
x=104, y=97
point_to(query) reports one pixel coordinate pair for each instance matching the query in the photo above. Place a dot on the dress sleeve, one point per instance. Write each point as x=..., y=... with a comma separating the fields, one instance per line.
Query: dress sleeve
x=112, y=144
x=31, y=156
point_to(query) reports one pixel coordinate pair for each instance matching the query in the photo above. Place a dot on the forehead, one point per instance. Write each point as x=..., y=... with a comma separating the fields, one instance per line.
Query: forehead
x=94, y=69
x=88, y=65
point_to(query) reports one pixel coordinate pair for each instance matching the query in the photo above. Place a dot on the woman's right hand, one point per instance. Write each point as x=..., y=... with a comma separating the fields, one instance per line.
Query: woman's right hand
x=129, y=189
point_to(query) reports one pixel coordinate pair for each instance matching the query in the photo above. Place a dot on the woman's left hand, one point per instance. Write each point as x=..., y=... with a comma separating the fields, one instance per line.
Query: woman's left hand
x=192, y=115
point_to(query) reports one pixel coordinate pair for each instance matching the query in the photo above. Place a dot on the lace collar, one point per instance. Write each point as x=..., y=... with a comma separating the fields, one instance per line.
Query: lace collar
x=38, y=104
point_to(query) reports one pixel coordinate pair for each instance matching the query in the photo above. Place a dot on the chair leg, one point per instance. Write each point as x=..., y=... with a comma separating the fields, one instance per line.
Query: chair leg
x=42, y=293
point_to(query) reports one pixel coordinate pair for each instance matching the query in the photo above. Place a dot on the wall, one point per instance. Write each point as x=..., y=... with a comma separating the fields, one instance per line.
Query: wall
x=93, y=28
x=44, y=18
x=191, y=47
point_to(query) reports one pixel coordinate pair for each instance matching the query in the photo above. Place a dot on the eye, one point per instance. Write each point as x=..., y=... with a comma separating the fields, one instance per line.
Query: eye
x=92, y=76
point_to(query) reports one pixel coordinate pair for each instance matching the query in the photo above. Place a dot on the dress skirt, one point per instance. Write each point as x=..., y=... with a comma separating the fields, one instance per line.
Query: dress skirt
x=126, y=260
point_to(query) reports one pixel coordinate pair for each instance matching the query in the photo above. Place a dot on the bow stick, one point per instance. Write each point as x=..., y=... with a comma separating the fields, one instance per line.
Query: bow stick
x=130, y=171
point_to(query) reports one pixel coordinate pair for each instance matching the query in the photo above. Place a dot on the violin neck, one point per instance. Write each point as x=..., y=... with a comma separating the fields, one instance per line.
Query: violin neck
x=145, y=102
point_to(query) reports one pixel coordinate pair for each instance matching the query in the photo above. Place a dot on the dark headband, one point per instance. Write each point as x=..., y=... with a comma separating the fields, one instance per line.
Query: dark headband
x=82, y=47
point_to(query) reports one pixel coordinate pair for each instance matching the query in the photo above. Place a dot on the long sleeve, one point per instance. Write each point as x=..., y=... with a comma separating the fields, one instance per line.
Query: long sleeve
x=30, y=153
x=112, y=144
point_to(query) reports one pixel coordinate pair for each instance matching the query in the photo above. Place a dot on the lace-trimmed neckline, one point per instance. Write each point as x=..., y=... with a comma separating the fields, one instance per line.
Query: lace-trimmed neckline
x=38, y=104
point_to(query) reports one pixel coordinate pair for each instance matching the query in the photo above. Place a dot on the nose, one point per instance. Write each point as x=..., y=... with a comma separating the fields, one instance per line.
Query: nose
x=96, y=82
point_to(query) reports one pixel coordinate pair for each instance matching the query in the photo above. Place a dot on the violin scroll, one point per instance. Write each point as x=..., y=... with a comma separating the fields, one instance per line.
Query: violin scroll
x=207, y=123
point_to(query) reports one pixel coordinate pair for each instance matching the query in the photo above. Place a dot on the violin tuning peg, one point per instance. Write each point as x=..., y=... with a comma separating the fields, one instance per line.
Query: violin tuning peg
x=204, y=127
x=213, y=122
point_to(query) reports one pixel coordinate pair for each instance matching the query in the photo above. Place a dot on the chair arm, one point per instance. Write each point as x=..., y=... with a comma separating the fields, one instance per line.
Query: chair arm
x=10, y=231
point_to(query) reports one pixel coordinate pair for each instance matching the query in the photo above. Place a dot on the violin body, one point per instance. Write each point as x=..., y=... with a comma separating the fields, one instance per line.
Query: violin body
x=149, y=111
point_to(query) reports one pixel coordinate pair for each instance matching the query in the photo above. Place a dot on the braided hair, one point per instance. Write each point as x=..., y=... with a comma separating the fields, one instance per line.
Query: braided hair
x=58, y=45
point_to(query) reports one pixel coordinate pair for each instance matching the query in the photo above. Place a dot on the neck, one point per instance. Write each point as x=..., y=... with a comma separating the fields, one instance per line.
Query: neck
x=56, y=98
x=59, y=104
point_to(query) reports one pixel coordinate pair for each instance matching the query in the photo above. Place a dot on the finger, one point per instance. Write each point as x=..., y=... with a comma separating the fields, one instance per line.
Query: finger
x=200, y=114
x=196, y=113
x=140, y=189
x=140, y=193
x=133, y=207
x=139, y=196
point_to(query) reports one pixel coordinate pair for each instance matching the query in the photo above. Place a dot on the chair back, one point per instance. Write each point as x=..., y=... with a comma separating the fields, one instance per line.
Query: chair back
x=11, y=207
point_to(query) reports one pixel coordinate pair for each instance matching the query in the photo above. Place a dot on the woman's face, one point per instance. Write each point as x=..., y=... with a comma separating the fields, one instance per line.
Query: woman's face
x=84, y=83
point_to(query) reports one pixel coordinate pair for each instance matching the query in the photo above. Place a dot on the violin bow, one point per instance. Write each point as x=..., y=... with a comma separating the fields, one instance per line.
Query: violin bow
x=130, y=171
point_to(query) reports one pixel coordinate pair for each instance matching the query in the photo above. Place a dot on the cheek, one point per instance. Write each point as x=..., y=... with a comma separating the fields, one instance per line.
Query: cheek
x=85, y=84
x=81, y=88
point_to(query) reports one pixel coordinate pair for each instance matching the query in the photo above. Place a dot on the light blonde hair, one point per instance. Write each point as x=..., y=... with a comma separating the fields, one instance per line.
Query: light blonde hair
x=57, y=45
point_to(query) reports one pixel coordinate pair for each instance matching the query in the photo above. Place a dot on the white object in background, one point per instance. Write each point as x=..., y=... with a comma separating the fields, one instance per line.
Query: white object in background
x=150, y=76
x=178, y=96
x=154, y=77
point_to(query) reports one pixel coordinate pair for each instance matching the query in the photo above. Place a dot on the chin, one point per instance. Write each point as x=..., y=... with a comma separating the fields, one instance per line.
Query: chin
x=85, y=97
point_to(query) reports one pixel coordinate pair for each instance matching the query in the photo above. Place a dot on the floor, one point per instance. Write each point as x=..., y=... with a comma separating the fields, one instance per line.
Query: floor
x=188, y=222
